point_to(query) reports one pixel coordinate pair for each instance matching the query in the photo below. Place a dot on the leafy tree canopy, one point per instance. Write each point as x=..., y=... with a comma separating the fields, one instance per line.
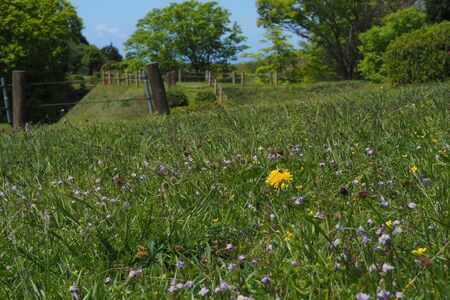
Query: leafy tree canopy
x=331, y=24
x=38, y=36
x=376, y=40
x=111, y=53
x=189, y=32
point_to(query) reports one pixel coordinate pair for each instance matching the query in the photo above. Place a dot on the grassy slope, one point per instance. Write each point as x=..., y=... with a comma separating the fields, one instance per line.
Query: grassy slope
x=57, y=230
x=93, y=109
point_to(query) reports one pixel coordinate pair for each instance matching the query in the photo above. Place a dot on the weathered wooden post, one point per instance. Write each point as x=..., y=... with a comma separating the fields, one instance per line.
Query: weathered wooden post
x=158, y=90
x=118, y=77
x=209, y=78
x=103, y=77
x=109, y=77
x=6, y=100
x=138, y=78
x=242, y=78
x=19, y=94
x=215, y=87
x=179, y=75
x=233, y=77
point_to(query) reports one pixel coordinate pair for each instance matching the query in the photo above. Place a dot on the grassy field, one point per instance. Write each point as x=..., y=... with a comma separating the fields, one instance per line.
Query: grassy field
x=179, y=207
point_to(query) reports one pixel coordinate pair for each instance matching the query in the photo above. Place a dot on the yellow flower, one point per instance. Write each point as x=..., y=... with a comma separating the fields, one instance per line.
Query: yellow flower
x=404, y=155
x=215, y=220
x=289, y=235
x=414, y=169
x=279, y=177
x=419, y=251
x=389, y=223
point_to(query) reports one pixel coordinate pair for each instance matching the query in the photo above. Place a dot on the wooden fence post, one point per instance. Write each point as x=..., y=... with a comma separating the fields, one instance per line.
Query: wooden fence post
x=179, y=75
x=242, y=78
x=209, y=78
x=233, y=77
x=118, y=77
x=109, y=77
x=103, y=77
x=215, y=87
x=138, y=78
x=158, y=90
x=19, y=94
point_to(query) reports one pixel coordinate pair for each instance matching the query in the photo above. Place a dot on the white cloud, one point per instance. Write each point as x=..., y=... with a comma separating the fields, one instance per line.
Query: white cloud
x=103, y=30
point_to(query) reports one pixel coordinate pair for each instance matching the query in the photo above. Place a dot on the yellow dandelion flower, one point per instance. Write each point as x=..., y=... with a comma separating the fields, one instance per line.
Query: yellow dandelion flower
x=404, y=155
x=279, y=177
x=414, y=169
x=389, y=223
x=215, y=220
x=288, y=236
x=419, y=251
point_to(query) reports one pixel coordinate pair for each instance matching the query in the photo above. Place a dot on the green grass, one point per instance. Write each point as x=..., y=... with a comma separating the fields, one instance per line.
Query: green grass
x=78, y=200
x=95, y=107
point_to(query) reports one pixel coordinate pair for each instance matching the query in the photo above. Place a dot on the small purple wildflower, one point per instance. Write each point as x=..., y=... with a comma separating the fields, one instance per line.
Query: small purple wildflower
x=322, y=165
x=384, y=238
x=426, y=181
x=180, y=264
x=189, y=284
x=135, y=273
x=365, y=240
x=203, y=291
x=362, y=296
x=230, y=247
x=399, y=295
x=386, y=267
x=241, y=257
x=224, y=286
x=383, y=294
x=231, y=267
x=397, y=230
x=265, y=280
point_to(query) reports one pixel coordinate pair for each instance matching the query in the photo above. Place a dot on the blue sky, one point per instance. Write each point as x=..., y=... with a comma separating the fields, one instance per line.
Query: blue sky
x=107, y=21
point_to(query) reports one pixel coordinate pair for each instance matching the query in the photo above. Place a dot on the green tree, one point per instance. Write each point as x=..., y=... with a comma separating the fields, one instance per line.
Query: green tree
x=376, y=40
x=111, y=53
x=189, y=32
x=92, y=60
x=438, y=10
x=332, y=24
x=38, y=36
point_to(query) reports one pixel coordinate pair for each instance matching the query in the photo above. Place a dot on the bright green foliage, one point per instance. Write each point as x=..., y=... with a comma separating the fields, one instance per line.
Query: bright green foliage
x=36, y=36
x=189, y=32
x=279, y=56
x=438, y=10
x=333, y=25
x=76, y=201
x=176, y=97
x=376, y=40
x=420, y=56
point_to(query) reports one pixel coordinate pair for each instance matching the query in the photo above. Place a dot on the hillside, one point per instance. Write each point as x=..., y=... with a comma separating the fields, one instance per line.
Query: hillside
x=189, y=204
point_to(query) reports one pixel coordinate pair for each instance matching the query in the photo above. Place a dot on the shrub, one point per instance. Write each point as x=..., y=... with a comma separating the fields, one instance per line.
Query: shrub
x=205, y=96
x=420, y=56
x=375, y=41
x=176, y=97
